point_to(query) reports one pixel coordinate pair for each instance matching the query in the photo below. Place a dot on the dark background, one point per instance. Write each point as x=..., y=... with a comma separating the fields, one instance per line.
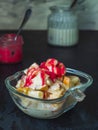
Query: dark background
x=83, y=56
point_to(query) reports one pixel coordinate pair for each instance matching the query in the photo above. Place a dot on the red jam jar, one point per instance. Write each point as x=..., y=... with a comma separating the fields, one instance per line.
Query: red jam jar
x=11, y=50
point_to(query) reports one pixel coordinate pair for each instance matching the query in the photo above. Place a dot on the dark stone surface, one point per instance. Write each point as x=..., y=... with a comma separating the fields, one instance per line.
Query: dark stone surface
x=84, y=57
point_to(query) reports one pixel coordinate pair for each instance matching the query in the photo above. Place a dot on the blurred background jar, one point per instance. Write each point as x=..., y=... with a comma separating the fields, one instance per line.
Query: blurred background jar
x=62, y=26
x=11, y=50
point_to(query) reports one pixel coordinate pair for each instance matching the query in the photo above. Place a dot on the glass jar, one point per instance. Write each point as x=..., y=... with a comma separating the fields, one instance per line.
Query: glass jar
x=11, y=49
x=62, y=26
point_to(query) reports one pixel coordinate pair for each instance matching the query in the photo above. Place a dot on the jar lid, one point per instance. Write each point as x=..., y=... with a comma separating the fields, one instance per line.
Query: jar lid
x=60, y=7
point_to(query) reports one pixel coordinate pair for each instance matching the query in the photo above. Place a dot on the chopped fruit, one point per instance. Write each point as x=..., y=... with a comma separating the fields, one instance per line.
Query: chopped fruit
x=74, y=80
x=57, y=94
x=47, y=80
x=23, y=90
x=54, y=87
x=66, y=81
x=36, y=94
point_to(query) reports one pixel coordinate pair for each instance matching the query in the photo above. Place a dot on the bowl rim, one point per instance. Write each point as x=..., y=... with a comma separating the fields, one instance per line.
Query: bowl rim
x=67, y=93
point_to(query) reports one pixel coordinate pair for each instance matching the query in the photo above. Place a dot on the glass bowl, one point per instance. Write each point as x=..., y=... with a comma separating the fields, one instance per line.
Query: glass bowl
x=48, y=109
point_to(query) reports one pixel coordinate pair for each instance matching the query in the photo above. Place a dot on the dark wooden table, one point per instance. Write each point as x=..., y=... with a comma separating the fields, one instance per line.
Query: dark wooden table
x=83, y=57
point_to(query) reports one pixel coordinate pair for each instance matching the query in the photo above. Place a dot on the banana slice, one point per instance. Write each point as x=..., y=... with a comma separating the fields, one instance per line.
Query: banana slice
x=36, y=94
x=74, y=81
x=57, y=93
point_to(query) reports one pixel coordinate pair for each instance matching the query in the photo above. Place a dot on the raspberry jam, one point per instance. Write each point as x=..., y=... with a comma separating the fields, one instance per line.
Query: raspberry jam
x=11, y=49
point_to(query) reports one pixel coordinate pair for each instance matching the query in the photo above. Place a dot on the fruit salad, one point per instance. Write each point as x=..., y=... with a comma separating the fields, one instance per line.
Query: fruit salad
x=47, y=80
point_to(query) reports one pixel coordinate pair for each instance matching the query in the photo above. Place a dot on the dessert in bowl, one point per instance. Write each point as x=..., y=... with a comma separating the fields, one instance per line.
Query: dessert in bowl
x=47, y=90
